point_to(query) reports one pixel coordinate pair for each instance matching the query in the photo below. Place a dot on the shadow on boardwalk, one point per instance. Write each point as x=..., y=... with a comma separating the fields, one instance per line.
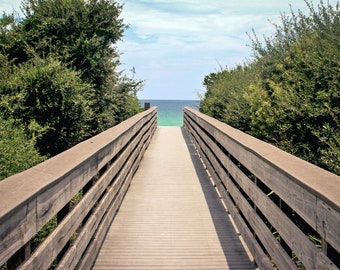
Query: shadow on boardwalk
x=229, y=238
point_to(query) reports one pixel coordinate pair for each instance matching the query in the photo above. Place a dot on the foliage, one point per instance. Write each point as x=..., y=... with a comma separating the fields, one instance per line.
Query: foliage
x=44, y=232
x=17, y=152
x=292, y=96
x=59, y=63
x=224, y=100
x=50, y=100
x=83, y=34
x=126, y=103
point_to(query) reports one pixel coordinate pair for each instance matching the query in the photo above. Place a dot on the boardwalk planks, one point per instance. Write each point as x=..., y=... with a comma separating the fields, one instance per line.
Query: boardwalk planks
x=171, y=217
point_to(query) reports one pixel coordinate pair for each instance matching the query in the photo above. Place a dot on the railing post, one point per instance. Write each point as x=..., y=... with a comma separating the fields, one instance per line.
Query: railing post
x=60, y=216
x=146, y=106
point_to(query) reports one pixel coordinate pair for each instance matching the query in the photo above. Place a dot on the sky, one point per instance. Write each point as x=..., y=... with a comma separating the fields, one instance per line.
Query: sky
x=173, y=44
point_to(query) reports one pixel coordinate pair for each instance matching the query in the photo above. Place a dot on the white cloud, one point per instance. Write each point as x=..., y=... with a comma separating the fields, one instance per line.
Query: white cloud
x=173, y=44
x=188, y=39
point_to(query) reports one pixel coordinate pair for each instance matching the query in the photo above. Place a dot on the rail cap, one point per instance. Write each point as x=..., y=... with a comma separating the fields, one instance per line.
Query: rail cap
x=20, y=188
x=311, y=177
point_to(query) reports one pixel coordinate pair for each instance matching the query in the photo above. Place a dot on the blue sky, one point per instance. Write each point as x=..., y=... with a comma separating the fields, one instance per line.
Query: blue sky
x=173, y=44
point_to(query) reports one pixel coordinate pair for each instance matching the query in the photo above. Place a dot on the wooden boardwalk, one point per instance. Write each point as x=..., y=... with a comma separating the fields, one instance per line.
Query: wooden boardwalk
x=171, y=217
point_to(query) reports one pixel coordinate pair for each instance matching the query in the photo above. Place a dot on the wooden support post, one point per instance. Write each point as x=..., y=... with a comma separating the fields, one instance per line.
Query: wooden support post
x=20, y=256
x=146, y=106
x=61, y=214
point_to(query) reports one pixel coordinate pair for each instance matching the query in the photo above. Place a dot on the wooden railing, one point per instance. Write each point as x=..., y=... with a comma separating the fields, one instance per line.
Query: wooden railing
x=77, y=193
x=286, y=209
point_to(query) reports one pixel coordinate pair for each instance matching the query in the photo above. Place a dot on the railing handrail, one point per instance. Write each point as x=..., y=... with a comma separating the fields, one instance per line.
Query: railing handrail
x=239, y=161
x=30, y=199
x=286, y=163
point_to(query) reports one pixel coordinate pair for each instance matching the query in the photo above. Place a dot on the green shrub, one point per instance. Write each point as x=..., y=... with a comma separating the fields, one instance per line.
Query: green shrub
x=289, y=94
x=50, y=100
x=17, y=151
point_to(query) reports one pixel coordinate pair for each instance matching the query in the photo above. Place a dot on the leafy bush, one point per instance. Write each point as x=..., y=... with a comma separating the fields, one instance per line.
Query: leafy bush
x=59, y=63
x=83, y=35
x=224, y=99
x=292, y=96
x=17, y=151
x=50, y=100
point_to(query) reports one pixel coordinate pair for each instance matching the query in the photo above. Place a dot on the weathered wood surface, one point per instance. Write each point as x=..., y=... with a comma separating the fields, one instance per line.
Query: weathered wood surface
x=238, y=162
x=171, y=217
x=163, y=228
x=30, y=199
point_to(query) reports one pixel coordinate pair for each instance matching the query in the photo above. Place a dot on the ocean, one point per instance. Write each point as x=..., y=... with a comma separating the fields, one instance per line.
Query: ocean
x=170, y=112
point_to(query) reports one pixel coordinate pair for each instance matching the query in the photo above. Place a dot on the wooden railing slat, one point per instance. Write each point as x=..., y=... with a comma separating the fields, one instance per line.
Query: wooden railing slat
x=305, y=250
x=259, y=227
x=316, y=202
x=261, y=259
x=123, y=182
x=52, y=184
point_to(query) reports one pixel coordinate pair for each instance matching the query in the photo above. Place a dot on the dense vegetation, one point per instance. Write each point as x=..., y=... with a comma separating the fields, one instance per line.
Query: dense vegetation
x=289, y=94
x=59, y=82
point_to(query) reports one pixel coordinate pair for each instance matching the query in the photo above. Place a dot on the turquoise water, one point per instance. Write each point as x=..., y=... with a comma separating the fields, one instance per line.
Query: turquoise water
x=170, y=112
